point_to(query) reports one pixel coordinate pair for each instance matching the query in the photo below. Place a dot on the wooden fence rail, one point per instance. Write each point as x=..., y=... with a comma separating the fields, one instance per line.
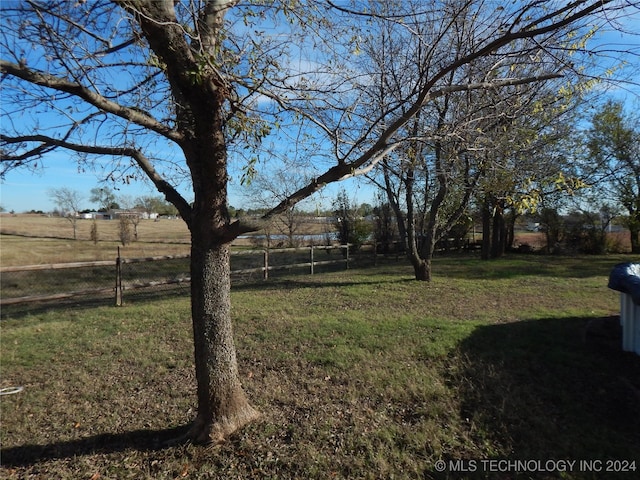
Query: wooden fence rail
x=118, y=287
x=56, y=266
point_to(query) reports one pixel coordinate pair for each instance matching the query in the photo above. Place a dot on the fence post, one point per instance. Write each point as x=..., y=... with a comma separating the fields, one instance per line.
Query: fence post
x=347, y=256
x=118, y=280
x=375, y=253
x=265, y=257
x=311, y=254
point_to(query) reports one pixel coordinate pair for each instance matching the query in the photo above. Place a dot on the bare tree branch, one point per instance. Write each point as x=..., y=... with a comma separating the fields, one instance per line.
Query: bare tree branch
x=60, y=84
x=170, y=193
x=382, y=147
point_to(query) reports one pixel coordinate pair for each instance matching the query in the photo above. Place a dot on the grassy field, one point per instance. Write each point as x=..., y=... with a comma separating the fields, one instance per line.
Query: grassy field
x=358, y=374
x=38, y=239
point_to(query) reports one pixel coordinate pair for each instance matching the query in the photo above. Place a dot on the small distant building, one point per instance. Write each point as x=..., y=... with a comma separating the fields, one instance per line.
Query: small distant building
x=132, y=212
x=95, y=216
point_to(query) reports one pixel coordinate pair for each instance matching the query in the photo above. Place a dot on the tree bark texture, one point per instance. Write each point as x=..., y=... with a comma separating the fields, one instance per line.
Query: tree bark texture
x=222, y=404
x=421, y=266
x=635, y=240
x=494, y=230
x=498, y=237
x=486, y=231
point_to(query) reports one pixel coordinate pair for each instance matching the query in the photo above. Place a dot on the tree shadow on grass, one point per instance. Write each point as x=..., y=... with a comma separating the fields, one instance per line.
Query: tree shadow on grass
x=139, y=440
x=556, y=388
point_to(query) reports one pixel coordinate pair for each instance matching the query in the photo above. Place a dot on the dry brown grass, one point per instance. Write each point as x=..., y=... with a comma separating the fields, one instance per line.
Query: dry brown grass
x=38, y=239
x=165, y=230
x=33, y=240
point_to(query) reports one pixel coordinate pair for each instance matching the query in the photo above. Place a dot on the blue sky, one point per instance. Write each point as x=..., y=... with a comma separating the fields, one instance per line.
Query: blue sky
x=24, y=190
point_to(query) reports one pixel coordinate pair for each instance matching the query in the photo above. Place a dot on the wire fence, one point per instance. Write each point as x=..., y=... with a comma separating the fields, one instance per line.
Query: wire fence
x=124, y=280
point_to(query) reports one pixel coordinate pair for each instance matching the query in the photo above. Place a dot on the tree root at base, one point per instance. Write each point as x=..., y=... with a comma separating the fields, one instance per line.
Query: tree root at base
x=215, y=432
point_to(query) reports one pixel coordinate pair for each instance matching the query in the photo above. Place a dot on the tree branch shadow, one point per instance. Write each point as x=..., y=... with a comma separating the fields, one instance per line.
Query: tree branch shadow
x=138, y=440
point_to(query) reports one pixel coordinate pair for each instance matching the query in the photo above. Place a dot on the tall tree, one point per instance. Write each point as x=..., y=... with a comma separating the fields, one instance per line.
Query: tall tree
x=613, y=165
x=464, y=135
x=529, y=160
x=68, y=202
x=167, y=89
x=105, y=197
x=154, y=204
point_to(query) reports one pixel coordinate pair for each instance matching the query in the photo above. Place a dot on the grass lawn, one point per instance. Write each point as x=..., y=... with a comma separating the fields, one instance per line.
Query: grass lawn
x=358, y=374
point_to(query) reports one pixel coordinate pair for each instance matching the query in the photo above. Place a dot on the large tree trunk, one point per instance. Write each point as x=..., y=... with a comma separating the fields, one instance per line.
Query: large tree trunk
x=222, y=404
x=431, y=235
x=510, y=231
x=421, y=269
x=486, y=230
x=635, y=238
x=494, y=231
x=421, y=266
x=498, y=240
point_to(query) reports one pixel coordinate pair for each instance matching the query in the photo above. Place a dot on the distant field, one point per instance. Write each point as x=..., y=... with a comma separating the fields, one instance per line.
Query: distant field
x=32, y=240
x=38, y=239
x=164, y=230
